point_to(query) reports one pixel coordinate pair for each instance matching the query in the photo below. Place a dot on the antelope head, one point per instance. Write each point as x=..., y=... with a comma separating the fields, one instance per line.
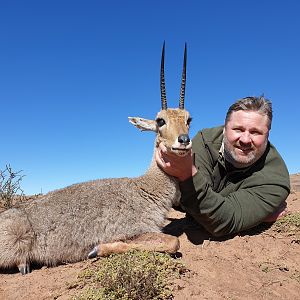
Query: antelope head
x=171, y=124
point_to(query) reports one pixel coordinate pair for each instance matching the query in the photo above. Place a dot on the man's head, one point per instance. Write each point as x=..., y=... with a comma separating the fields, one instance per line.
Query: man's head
x=247, y=125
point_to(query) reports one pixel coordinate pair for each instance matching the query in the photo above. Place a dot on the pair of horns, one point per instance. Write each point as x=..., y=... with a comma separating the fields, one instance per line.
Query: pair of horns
x=163, y=84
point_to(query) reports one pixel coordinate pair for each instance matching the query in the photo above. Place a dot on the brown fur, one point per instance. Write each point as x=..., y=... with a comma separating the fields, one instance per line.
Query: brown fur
x=66, y=224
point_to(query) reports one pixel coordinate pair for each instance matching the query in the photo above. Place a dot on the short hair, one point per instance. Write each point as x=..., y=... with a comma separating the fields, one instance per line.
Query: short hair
x=258, y=104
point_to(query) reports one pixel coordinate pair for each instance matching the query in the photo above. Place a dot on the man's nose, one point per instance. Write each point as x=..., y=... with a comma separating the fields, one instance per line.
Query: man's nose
x=245, y=137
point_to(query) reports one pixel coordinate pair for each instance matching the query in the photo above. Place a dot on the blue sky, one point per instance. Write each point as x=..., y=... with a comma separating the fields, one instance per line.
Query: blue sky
x=71, y=72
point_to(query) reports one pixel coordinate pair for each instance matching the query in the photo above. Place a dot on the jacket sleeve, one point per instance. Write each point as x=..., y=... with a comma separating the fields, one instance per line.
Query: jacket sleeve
x=252, y=200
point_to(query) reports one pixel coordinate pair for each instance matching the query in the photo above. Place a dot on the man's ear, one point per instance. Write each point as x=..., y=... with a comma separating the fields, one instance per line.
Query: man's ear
x=143, y=124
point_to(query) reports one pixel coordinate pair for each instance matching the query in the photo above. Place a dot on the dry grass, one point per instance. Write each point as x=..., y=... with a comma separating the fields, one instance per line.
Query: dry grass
x=135, y=275
x=290, y=224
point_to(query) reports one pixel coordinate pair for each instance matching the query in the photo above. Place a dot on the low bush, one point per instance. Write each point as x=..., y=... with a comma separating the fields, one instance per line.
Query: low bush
x=134, y=275
x=10, y=188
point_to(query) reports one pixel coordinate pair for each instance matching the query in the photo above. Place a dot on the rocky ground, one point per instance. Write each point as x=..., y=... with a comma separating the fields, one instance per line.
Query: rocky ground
x=260, y=264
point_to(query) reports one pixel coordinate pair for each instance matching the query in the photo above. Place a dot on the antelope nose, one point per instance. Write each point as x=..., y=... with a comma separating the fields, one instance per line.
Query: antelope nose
x=184, y=139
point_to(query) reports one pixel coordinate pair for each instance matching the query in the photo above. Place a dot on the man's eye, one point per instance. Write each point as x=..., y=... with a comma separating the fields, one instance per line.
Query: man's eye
x=237, y=129
x=255, y=133
x=160, y=122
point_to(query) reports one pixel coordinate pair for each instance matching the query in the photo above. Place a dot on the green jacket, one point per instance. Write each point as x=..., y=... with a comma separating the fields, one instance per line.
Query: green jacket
x=229, y=201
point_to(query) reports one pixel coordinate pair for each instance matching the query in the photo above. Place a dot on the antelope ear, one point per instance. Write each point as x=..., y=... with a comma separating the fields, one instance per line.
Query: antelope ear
x=143, y=124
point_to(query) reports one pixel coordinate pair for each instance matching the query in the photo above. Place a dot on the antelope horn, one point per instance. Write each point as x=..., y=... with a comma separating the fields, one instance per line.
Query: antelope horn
x=162, y=80
x=182, y=89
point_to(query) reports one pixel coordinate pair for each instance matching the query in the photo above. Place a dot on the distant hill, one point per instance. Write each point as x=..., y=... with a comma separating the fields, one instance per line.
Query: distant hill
x=295, y=182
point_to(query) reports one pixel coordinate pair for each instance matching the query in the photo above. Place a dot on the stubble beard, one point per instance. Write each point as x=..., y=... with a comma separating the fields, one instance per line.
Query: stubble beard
x=244, y=161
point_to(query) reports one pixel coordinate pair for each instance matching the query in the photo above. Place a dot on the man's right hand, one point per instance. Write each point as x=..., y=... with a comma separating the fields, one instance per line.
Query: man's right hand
x=181, y=167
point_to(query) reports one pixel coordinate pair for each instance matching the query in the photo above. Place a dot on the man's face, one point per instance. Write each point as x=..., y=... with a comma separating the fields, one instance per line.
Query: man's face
x=245, y=137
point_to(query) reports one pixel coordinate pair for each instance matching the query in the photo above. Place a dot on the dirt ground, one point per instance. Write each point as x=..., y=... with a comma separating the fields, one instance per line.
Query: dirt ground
x=259, y=264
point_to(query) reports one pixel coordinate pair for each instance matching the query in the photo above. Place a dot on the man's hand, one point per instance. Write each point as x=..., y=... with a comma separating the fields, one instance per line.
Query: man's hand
x=279, y=213
x=181, y=167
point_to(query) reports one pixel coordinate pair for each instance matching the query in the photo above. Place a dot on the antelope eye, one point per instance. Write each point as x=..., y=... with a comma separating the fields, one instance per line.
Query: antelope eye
x=160, y=122
x=189, y=120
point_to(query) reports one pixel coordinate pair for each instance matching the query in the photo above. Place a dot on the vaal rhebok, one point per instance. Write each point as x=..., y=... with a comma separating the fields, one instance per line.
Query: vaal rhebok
x=102, y=216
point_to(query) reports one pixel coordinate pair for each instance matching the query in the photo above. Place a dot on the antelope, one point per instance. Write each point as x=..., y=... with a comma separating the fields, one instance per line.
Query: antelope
x=103, y=216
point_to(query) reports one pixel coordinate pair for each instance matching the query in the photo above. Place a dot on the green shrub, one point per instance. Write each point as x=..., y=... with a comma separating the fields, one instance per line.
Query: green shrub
x=134, y=275
x=10, y=189
x=288, y=224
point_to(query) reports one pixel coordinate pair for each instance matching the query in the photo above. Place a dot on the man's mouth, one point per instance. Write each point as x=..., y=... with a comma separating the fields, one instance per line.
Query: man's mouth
x=245, y=150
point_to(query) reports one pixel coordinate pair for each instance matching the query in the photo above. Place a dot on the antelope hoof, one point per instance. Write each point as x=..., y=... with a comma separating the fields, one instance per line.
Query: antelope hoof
x=24, y=269
x=94, y=252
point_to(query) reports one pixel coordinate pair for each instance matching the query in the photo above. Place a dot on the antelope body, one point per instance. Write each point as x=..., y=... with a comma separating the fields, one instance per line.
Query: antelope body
x=102, y=216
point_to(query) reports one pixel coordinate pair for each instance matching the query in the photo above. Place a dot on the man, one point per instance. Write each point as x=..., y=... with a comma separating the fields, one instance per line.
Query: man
x=235, y=179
